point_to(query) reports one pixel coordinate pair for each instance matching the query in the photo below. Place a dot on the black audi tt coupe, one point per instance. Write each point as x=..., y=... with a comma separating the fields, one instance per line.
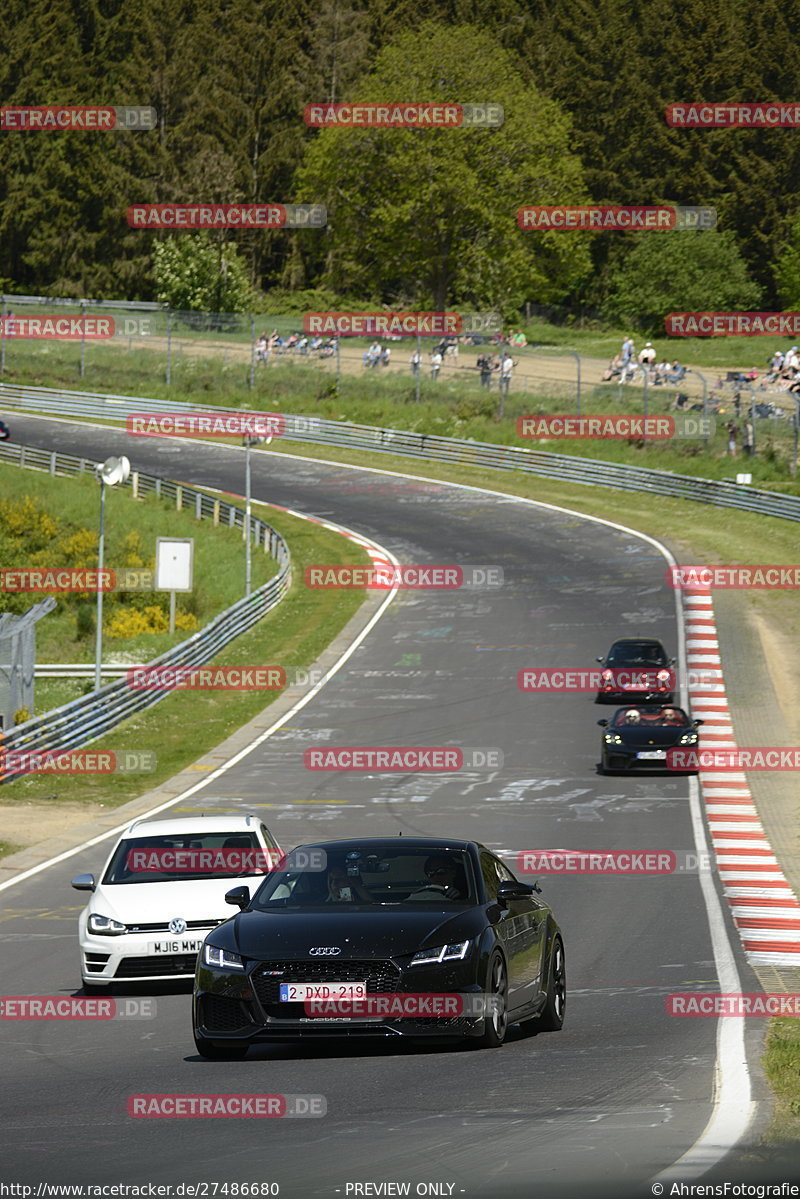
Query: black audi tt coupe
x=407, y=936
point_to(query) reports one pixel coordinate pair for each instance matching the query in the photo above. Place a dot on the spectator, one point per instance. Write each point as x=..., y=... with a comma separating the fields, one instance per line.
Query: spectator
x=733, y=433
x=628, y=350
x=262, y=350
x=415, y=361
x=748, y=440
x=485, y=365
x=506, y=369
x=677, y=372
x=385, y=355
x=661, y=373
x=436, y=363
x=613, y=369
x=791, y=362
x=647, y=356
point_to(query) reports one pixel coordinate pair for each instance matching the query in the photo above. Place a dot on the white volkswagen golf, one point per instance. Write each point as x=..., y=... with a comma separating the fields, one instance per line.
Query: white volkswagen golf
x=161, y=891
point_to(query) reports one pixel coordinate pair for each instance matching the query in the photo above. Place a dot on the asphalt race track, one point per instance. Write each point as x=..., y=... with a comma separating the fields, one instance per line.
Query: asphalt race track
x=620, y=1094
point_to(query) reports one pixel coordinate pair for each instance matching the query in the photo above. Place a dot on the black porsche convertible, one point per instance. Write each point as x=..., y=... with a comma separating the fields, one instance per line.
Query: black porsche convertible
x=385, y=924
x=639, y=738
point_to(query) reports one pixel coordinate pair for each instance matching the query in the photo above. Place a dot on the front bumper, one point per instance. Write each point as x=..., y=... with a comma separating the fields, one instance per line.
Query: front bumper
x=243, y=1008
x=626, y=761
x=128, y=958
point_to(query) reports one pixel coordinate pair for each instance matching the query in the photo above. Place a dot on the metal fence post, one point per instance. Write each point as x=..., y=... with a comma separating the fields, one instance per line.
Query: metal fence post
x=252, y=380
x=169, y=346
x=3, y=336
x=83, y=339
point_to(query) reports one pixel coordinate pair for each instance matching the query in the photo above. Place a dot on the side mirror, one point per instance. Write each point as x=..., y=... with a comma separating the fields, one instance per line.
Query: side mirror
x=599, y=659
x=697, y=722
x=84, y=882
x=239, y=897
x=672, y=661
x=514, y=890
x=603, y=724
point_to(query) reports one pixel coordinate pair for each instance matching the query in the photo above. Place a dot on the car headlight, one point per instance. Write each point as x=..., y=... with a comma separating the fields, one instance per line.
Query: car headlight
x=222, y=959
x=606, y=678
x=688, y=739
x=104, y=926
x=612, y=738
x=663, y=677
x=442, y=953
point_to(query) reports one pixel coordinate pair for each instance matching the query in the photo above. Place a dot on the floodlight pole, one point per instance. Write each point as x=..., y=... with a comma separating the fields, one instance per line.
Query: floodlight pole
x=98, y=641
x=248, y=441
x=112, y=471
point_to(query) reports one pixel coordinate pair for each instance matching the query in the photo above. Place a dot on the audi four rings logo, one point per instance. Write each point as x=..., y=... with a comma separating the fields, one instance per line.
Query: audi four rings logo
x=324, y=951
x=177, y=925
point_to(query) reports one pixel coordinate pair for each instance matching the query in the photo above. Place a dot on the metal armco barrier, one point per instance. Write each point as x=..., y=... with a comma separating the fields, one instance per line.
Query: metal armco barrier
x=428, y=447
x=85, y=719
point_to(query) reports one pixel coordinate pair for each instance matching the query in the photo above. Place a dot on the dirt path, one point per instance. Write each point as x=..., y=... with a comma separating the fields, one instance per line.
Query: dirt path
x=536, y=371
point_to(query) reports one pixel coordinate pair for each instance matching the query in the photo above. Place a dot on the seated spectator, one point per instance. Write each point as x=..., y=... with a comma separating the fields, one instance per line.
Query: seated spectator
x=613, y=369
x=647, y=356
x=791, y=364
x=677, y=372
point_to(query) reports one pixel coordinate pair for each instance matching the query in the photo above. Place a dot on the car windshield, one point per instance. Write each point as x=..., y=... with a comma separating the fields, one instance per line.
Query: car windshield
x=193, y=856
x=633, y=717
x=367, y=876
x=637, y=653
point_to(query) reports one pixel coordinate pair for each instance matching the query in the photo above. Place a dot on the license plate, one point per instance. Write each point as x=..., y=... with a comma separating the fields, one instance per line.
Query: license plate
x=305, y=992
x=659, y=754
x=172, y=947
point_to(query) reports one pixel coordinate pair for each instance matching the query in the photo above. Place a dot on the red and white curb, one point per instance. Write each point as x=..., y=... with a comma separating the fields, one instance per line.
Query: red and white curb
x=765, y=909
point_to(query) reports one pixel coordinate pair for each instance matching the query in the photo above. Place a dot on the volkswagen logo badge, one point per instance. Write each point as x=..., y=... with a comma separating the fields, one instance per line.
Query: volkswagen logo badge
x=177, y=925
x=323, y=951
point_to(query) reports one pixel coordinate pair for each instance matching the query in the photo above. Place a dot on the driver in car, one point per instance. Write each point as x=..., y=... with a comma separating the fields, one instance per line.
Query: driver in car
x=344, y=889
x=444, y=879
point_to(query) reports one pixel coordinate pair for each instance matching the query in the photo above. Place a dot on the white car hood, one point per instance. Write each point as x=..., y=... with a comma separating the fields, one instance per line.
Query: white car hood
x=149, y=903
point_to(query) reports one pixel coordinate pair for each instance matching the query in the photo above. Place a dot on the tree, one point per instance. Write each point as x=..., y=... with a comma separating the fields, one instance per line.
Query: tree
x=679, y=272
x=194, y=275
x=787, y=268
x=429, y=215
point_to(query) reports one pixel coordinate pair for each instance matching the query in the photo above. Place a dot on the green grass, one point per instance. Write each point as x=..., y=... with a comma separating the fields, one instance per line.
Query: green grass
x=218, y=571
x=187, y=724
x=782, y=1067
x=453, y=407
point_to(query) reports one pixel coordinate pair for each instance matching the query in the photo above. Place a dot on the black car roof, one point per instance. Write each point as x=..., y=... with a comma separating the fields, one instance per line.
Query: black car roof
x=637, y=641
x=428, y=843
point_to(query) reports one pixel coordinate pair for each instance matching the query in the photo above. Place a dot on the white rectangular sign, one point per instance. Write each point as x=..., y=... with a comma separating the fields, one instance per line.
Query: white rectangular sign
x=174, y=563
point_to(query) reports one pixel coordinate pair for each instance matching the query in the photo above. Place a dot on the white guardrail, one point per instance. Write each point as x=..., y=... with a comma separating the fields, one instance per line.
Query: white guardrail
x=428, y=447
x=85, y=719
